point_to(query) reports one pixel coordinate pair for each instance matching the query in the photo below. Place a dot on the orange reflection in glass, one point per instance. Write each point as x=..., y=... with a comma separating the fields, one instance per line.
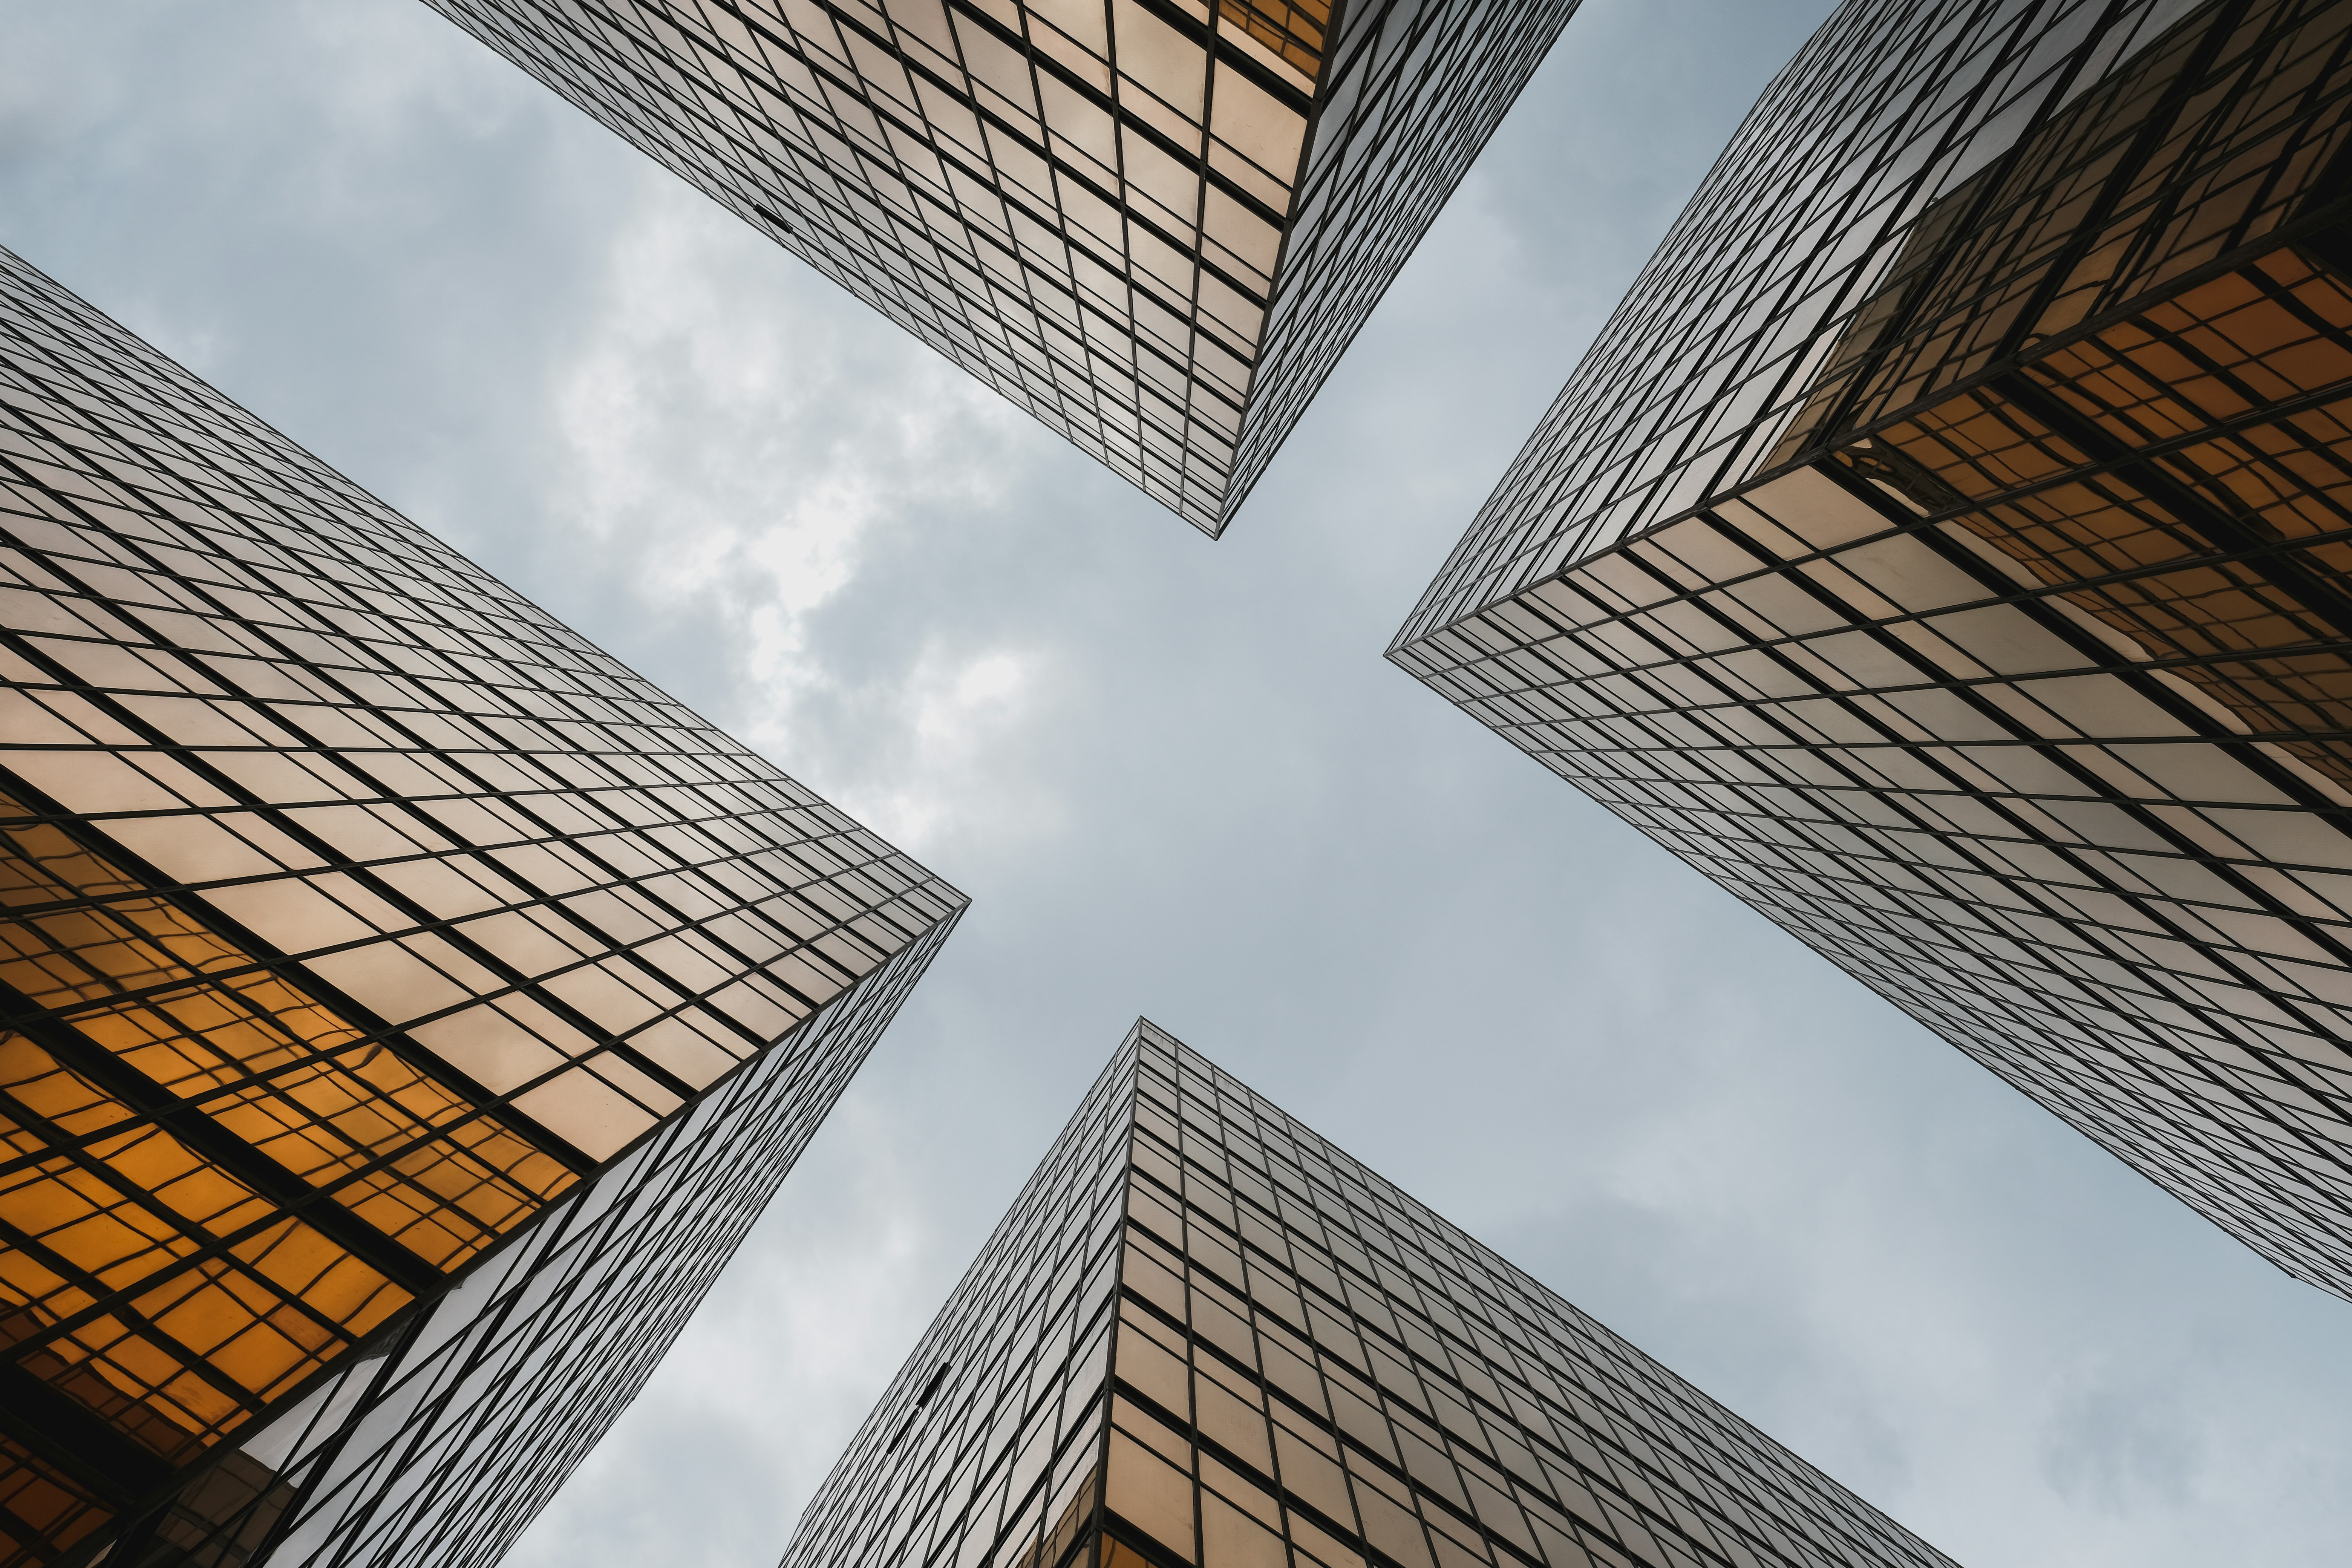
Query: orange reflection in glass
x=1295, y=30
x=2227, y=549
x=143, y=1280
x=42, y=1513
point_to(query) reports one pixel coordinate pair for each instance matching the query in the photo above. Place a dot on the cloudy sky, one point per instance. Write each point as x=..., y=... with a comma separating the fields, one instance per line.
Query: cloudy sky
x=1176, y=778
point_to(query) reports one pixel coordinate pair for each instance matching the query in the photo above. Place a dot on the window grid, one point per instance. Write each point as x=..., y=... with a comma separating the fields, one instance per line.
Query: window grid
x=1717, y=349
x=441, y=1446
x=1299, y=1365
x=353, y=913
x=1086, y=203
x=2014, y=684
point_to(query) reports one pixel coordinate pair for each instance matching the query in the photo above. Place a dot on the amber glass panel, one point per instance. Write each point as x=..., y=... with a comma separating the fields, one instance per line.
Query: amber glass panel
x=1296, y=31
x=41, y=1513
x=2204, y=144
x=161, y=1293
x=136, y=973
x=141, y=1277
x=2224, y=552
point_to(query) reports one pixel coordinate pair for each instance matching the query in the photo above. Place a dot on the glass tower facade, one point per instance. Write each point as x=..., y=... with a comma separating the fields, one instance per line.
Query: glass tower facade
x=408, y=1006
x=1205, y=1338
x=1154, y=224
x=1947, y=547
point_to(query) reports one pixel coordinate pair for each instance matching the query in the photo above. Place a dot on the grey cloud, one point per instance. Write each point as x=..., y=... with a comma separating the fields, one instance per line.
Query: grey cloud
x=2118, y=1447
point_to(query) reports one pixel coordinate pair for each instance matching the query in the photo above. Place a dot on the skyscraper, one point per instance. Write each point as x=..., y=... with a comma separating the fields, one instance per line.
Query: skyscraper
x=409, y=1008
x=1945, y=547
x=1154, y=224
x=1204, y=1336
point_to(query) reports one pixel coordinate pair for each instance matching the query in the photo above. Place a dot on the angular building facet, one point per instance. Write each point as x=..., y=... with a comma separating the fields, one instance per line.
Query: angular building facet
x=1205, y=1338
x=409, y=1006
x=1947, y=547
x=1153, y=224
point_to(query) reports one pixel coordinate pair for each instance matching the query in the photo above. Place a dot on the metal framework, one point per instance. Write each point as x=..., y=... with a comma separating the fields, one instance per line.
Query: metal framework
x=1205, y=1338
x=1946, y=546
x=407, y=1007
x=1154, y=224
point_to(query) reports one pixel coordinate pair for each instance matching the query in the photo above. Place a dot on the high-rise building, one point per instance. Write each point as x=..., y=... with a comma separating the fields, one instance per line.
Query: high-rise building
x=1947, y=547
x=1153, y=224
x=409, y=1007
x=1205, y=1338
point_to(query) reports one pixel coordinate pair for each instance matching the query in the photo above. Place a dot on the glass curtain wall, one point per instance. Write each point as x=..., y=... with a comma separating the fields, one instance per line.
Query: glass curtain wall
x=1984, y=620
x=355, y=914
x=1205, y=1338
x=1091, y=205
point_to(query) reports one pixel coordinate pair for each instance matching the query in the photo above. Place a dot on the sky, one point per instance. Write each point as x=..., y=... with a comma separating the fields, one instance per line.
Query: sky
x=1177, y=779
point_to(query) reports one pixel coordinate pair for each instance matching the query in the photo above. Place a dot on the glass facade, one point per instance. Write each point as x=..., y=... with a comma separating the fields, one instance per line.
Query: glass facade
x=368, y=940
x=1154, y=224
x=1205, y=1338
x=1955, y=567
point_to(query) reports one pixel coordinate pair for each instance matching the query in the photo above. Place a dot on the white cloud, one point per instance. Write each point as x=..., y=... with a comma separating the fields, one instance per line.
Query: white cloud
x=676, y=416
x=727, y=454
x=966, y=716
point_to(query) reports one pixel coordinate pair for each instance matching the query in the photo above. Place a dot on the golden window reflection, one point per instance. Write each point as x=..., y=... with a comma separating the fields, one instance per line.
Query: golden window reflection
x=169, y=1293
x=42, y=1513
x=1293, y=30
x=2226, y=555
x=2180, y=473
